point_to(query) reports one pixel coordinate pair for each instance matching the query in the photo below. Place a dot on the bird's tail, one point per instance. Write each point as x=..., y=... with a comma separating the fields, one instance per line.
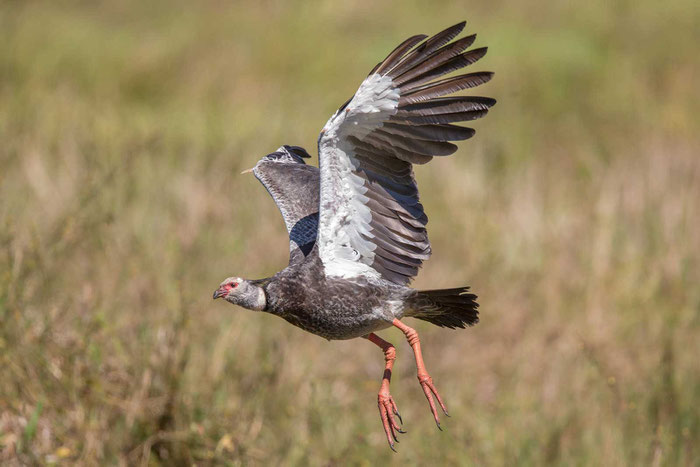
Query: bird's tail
x=450, y=308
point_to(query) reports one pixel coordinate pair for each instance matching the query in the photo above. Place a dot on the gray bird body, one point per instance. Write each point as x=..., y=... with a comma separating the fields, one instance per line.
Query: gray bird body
x=357, y=229
x=333, y=308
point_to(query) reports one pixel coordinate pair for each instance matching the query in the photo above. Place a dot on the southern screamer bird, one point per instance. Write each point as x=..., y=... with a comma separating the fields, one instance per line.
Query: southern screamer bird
x=356, y=226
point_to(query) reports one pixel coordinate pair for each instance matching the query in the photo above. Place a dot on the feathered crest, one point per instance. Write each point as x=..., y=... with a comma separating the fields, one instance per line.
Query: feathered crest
x=287, y=154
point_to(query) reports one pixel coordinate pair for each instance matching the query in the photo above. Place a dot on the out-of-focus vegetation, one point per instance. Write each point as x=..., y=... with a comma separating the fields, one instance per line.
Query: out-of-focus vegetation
x=574, y=214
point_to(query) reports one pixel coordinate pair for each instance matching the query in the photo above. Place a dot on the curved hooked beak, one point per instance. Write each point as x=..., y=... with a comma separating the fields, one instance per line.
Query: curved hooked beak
x=220, y=292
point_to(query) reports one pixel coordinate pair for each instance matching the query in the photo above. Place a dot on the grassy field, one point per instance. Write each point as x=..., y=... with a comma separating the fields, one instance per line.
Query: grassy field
x=574, y=214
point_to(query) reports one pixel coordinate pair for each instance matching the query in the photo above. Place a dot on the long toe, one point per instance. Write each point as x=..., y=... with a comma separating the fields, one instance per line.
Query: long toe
x=387, y=410
x=426, y=382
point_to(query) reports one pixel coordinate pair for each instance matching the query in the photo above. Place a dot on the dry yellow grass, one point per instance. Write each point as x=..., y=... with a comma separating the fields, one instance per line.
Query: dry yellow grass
x=574, y=214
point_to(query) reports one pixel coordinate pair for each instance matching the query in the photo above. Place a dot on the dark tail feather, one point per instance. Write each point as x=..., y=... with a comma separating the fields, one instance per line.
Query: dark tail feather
x=449, y=308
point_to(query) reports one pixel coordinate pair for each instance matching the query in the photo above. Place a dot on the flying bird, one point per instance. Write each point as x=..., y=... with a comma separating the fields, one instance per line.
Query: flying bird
x=357, y=230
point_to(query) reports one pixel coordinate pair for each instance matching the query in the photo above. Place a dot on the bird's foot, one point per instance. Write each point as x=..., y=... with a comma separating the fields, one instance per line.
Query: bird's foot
x=388, y=412
x=426, y=382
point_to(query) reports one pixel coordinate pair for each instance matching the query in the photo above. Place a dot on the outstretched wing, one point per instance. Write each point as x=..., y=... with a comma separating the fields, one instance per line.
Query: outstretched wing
x=371, y=221
x=294, y=186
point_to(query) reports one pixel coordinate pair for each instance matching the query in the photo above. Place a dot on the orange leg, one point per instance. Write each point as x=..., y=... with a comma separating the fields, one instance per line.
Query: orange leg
x=387, y=406
x=424, y=378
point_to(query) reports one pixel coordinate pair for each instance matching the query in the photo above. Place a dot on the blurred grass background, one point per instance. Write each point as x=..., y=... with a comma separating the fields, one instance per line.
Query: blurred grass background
x=574, y=214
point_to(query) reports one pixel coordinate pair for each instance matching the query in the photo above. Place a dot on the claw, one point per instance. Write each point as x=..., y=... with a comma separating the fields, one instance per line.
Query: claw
x=424, y=378
x=387, y=409
x=396, y=412
x=429, y=390
x=386, y=404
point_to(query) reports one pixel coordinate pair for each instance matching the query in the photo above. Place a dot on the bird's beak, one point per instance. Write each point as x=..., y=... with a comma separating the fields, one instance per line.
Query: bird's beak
x=220, y=292
x=247, y=171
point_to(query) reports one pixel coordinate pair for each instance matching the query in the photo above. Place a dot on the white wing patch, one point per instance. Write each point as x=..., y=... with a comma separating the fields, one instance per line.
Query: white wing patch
x=344, y=216
x=371, y=221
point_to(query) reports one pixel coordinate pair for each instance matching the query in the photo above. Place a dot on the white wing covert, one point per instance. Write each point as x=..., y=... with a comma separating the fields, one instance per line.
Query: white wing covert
x=371, y=222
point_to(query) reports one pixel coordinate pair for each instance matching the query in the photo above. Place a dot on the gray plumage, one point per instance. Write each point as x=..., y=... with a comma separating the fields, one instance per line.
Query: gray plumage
x=355, y=284
x=293, y=186
x=357, y=228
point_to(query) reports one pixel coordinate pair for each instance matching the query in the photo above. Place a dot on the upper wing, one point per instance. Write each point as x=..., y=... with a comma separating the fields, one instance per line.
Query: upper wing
x=294, y=187
x=371, y=220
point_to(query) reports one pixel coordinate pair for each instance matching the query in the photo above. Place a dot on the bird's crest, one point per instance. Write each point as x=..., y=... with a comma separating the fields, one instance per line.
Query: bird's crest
x=287, y=154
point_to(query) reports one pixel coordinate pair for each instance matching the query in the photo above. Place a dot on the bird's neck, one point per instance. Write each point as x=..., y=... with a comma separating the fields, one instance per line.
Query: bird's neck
x=261, y=303
x=254, y=301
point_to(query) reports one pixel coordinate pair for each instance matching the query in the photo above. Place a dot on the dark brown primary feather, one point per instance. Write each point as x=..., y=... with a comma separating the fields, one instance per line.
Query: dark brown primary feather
x=442, y=105
x=430, y=132
x=453, y=64
x=444, y=118
x=444, y=87
x=428, y=63
x=422, y=127
x=397, y=53
x=426, y=50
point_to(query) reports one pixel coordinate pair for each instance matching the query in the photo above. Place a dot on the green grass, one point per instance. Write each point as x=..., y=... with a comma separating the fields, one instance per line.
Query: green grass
x=573, y=214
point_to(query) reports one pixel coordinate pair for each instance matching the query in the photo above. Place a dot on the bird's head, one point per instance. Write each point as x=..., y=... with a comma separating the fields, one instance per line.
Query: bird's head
x=243, y=293
x=284, y=155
